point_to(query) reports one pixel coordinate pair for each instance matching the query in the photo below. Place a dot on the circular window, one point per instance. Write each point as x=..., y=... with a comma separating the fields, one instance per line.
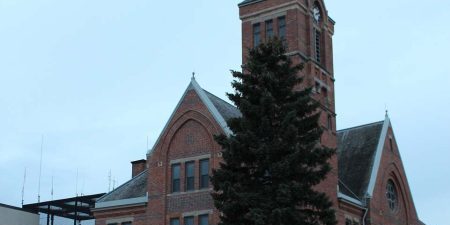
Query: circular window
x=391, y=195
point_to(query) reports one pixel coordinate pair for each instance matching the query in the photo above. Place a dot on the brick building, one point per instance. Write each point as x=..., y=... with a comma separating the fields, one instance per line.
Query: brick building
x=367, y=185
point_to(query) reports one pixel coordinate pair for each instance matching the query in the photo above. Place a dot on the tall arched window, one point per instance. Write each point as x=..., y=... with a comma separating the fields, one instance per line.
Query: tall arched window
x=391, y=195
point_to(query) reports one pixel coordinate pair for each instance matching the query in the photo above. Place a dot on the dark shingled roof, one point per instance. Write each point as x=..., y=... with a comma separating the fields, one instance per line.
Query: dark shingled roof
x=134, y=188
x=356, y=152
x=227, y=110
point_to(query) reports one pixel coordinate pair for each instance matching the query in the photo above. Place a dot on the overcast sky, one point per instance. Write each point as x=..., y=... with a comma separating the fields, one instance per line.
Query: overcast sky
x=96, y=78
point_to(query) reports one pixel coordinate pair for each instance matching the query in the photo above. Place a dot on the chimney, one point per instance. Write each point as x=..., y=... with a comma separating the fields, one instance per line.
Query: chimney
x=138, y=166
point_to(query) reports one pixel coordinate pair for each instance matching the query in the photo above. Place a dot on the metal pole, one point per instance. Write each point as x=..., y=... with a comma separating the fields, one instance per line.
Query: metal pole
x=53, y=218
x=75, y=219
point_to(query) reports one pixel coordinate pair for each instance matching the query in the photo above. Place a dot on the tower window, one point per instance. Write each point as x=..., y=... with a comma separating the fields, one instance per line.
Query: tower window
x=190, y=177
x=317, y=45
x=175, y=177
x=269, y=29
x=282, y=27
x=204, y=173
x=256, y=34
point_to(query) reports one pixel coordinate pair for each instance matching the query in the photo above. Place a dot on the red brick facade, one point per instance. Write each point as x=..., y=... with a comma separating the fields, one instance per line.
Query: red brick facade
x=188, y=135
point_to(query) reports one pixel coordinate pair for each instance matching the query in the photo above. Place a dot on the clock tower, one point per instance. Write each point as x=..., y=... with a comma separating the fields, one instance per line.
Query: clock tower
x=307, y=30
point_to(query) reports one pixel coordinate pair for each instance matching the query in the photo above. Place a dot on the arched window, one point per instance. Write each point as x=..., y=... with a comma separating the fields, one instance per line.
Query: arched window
x=391, y=195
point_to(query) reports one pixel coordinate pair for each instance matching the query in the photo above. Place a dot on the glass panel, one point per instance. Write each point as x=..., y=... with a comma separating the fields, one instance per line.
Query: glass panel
x=204, y=173
x=256, y=34
x=203, y=219
x=190, y=171
x=174, y=221
x=282, y=27
x=189, y=220
x=269, y=29
x=176, y=178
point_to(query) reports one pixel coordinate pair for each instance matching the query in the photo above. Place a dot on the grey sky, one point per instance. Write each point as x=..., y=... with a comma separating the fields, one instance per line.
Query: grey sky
x=97, y=77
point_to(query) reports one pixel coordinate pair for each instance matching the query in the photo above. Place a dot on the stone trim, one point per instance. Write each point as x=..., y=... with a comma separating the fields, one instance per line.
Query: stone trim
x=197, y=213
x=194, y=158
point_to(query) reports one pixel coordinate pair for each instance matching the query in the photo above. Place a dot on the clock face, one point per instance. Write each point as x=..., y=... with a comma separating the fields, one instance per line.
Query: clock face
x=316, y=13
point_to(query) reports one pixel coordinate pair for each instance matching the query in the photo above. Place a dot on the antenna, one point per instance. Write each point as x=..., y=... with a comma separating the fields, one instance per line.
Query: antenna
x=40, y=171
x=82, y=187
x=114, y=183
x=23, y=185
x=76, y=185
x=109, y=180
x=52, y=188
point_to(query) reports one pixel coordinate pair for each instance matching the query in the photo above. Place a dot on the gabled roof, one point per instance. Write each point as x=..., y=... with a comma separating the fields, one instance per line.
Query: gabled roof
x=131, y=192
x=219, y=109
x=359, y=154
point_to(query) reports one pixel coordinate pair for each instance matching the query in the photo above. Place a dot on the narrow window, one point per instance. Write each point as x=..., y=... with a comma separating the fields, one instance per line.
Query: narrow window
x=391, y=145
x=317, y=45
x=348, y=221
x=126, y=223
x=204, y=173
x=391, y=195
x=174, y=221
x=175, y=177
x=112, y=224
x=282, y=27
x=189, y=220
x=256, y=34
x=269, y=29
x=330, y=122
x=190, y=177
x=203, y=219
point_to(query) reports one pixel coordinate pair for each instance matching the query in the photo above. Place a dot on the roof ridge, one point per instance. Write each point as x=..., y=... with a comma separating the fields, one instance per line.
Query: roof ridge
x=133, y=178
x=361, y=126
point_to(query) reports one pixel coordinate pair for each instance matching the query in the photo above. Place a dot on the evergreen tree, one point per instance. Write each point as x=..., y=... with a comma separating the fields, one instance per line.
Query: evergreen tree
x=273, y=159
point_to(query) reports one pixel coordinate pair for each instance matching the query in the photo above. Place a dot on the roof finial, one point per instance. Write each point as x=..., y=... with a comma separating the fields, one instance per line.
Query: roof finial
x=386, y=110
x=193, y=75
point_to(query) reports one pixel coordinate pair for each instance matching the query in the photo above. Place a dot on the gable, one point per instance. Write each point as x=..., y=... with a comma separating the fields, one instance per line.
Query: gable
x=218, y=109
